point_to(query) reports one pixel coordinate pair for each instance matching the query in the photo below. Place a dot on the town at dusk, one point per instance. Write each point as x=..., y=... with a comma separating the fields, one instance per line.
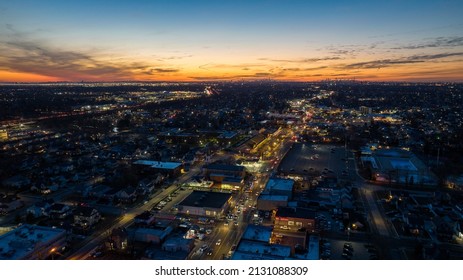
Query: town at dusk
x=208, y=132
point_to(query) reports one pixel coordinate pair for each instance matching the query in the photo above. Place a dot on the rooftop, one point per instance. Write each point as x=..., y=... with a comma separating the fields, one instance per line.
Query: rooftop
x=277, y=184
x=273, y=197
x=158, y=164
x=19, y=243
x=257, y=233
x=228, y=167
x=206, y=199
x=261, y=248
x=295, y=213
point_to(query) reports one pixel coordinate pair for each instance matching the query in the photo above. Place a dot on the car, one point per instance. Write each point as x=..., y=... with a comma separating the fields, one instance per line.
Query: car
x=235, y=223
x=203, y=248
x=218, y=242
x=347, y=251
x=209, y=252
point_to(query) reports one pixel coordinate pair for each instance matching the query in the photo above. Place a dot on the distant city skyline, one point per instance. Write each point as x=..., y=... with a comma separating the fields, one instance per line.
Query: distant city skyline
x=43, y=41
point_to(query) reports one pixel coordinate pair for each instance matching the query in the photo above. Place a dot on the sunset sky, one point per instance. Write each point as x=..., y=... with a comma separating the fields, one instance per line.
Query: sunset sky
x=230, y=40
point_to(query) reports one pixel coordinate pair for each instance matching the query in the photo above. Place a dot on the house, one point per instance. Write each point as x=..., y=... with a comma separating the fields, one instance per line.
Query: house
x=41, y=208
x=17, y=181
x=118, y=239
x=145, y=218
x=59, y=211
x=127, y=195
x=9, y=203
x=415, y=224
x=86, y=217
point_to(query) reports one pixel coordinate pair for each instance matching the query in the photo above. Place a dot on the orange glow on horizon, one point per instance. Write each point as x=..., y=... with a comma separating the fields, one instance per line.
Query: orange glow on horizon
x=450, y=71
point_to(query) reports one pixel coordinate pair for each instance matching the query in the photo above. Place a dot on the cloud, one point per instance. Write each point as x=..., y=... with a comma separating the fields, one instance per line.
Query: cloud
x=302, y=60
x=434, y=43
x=399, y=61
x=21, y=52
x=173, y=57
x=297, y=69
x=241, y=66
x=164, y=70
x=258, y=75
x=38, y=58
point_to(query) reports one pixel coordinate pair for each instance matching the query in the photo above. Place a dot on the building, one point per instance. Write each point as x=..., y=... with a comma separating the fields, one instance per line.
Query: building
x=291, y=227
x=294, y=219
x=398, y=166
x=9, y=203
x=227, y=137
x=3, y=135
x=172, y=169
x=277, y=193
x=150, y=235
x=177, y=136
x=229, y=176
x=59, y=211
x=268, y=202
x=31, y=242
x=145, y=218
x=86, y=217
x=254, y=245
x=118, y=239
x=365, y=110
x=201, y=203
x=176, y=243
x=277, y=186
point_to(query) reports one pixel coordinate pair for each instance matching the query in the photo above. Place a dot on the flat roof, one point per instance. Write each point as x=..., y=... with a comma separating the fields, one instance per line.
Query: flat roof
x=313, y=248
x=252, y=256
x=227, y=167
x=257, y=233
x=228, y=134
x=159, y=164
x=262, y=248
x=206, y=199
x=277, y=184
x=20, y=242
x=295, y=213
x=273, y=197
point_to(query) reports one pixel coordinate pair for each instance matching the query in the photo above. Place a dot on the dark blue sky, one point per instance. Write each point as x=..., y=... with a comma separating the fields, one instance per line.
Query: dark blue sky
x=195, y=40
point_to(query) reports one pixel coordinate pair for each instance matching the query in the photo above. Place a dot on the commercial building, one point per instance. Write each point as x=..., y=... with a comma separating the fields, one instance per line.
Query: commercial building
x=277, y=193
x=294, y=219
x=398, y=166
x=228, y=176
x=277, y=186
x=31, y=242
x=164, y=167
x=3, y=135
x=292, y=225
x=201, y=203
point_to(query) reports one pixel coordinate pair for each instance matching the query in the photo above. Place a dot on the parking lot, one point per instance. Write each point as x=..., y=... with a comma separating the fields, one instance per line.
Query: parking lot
x=308, y=159
x=347, y=250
